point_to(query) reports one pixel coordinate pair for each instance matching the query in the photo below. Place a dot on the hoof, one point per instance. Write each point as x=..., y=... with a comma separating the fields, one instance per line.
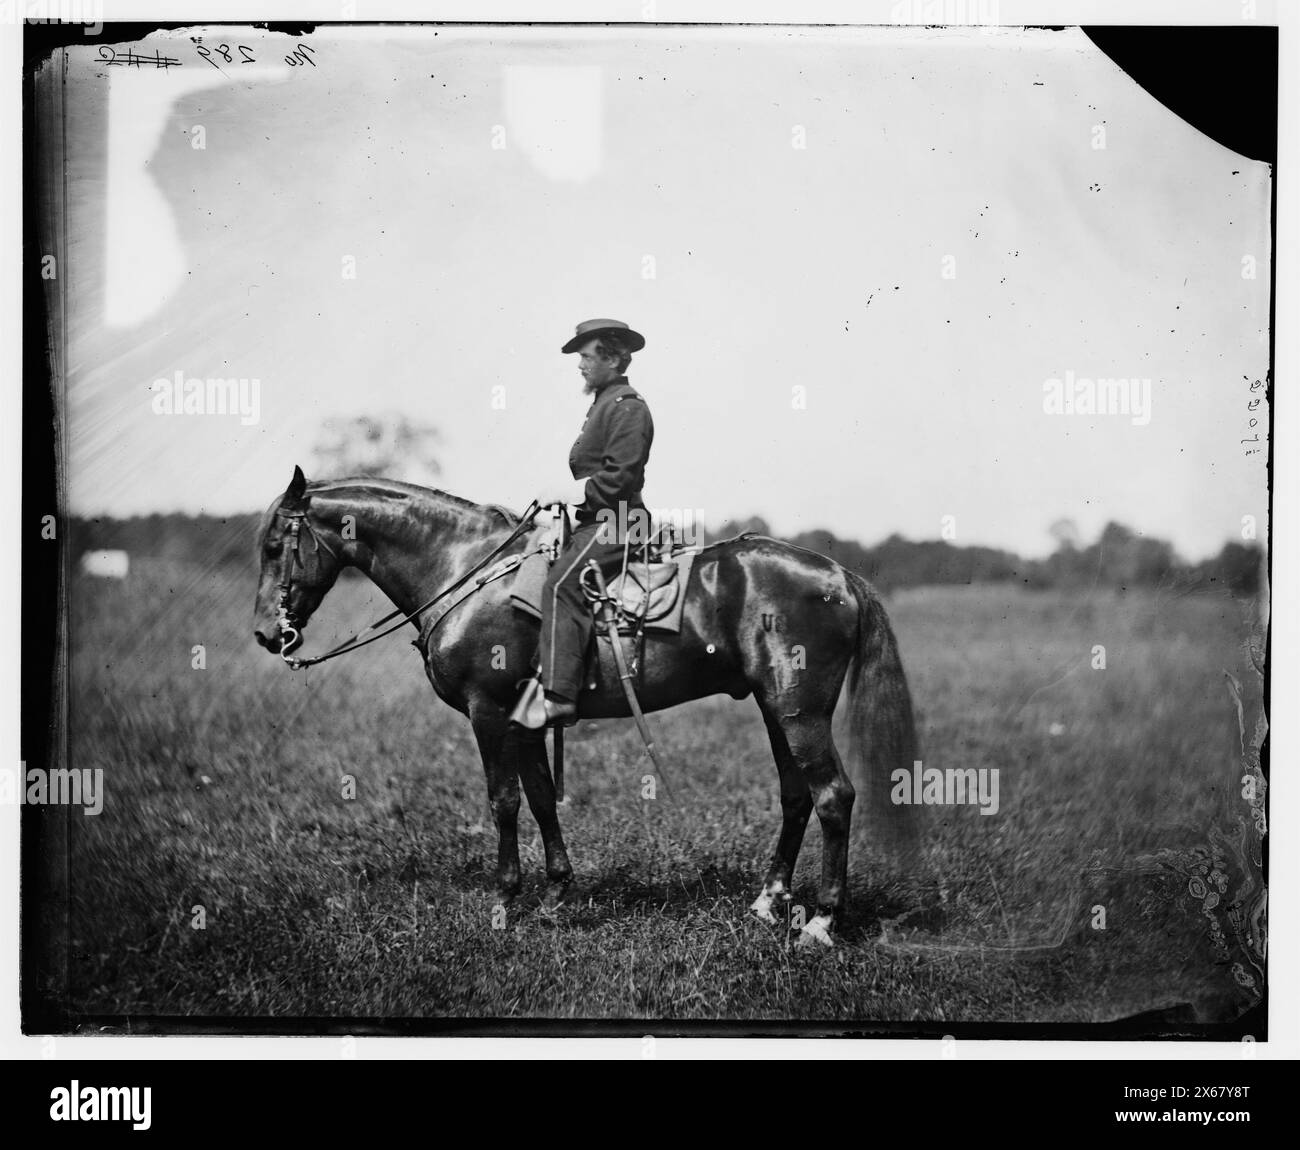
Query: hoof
x=816, y=933
x=762, y=906
x=555, y=897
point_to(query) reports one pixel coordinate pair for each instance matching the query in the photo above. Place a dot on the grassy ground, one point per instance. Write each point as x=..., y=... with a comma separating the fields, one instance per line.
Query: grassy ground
x=225, y=791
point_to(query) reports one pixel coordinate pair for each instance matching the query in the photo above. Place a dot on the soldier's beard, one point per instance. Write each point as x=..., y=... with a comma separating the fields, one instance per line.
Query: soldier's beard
x=590, y=385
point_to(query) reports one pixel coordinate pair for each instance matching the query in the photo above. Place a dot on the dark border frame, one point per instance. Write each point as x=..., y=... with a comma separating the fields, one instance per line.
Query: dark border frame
x=1171, y=62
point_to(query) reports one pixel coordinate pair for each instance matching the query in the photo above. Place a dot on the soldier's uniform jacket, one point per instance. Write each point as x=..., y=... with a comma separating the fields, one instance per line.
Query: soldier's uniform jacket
x=612, y=449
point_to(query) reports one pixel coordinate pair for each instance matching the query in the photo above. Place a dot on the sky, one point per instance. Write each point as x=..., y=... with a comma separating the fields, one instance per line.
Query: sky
x=859, y=258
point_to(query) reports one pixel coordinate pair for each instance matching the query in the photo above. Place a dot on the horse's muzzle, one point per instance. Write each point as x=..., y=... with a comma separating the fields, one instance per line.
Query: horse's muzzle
x=274, y=642
x=282, y=639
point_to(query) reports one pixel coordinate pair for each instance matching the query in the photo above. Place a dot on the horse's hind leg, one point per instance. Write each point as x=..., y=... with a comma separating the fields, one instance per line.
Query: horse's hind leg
x=811, y=746
x=833, y=796
x=796, y=807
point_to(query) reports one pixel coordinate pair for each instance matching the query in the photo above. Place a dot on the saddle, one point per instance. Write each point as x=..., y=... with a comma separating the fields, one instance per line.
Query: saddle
x=650, y=595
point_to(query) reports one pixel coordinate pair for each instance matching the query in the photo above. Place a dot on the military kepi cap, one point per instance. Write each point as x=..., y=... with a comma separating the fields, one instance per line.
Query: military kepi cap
x=594, y=328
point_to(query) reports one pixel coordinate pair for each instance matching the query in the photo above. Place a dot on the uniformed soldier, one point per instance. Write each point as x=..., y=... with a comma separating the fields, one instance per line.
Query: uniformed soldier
x=607, y=463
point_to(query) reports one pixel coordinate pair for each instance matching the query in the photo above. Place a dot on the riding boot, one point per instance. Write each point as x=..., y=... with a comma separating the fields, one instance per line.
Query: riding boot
x=560, y=711
x=536, y=710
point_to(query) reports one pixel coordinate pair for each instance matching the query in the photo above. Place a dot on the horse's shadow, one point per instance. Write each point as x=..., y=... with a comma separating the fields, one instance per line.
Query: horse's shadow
x=717, y=892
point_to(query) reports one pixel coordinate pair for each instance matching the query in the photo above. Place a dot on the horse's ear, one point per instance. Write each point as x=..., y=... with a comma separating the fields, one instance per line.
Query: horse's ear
x=297, y=487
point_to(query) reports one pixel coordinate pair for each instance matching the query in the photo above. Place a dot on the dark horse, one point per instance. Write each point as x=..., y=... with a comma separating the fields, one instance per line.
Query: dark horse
x=762, y=618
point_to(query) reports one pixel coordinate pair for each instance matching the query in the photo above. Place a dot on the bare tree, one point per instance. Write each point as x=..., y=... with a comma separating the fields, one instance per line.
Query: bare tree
x=385, y=444
x=1066, y=534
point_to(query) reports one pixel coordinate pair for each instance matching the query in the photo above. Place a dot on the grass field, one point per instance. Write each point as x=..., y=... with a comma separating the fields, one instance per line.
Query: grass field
x=1119, y=788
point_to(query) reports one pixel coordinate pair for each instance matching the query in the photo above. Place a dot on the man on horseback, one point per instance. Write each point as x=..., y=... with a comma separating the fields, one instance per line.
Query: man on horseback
x=723, y=644
x=607, y=462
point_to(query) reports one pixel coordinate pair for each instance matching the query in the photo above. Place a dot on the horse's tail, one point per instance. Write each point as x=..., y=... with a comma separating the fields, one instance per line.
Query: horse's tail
x=882, y=731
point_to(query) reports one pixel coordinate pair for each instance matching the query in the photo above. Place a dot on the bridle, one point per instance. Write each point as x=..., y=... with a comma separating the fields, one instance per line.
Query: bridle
x=291, y=631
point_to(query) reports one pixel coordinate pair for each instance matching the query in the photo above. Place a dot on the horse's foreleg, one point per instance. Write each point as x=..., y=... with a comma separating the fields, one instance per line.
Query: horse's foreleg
x=528, y=749
x=503, y=795
x=796, y=807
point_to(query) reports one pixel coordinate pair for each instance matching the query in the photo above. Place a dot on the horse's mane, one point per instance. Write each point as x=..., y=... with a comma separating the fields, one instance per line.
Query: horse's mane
x=398, y=488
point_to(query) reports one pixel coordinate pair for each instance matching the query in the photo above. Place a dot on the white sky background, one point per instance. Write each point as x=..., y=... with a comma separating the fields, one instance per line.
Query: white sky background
x=774, y=266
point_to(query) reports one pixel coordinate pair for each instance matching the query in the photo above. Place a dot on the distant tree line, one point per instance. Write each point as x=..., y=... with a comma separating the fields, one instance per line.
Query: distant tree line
x=1119, y=558
x=204, y=540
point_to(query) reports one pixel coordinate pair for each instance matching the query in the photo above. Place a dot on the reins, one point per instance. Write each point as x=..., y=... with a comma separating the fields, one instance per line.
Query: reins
x=363, y=638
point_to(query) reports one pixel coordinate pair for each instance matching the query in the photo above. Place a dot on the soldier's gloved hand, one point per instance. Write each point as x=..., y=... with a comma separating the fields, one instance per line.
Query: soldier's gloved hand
x=575, y=491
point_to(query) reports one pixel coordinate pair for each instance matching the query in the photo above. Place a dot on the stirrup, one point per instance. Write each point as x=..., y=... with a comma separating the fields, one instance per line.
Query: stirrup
x=530, y=711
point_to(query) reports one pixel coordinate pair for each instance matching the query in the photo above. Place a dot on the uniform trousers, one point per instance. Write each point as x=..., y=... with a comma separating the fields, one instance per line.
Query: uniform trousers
x=567, y=620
